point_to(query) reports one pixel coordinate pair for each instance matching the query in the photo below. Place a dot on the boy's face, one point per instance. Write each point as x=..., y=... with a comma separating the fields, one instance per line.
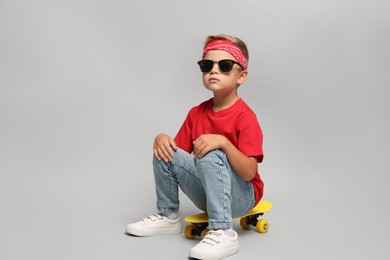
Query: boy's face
x=221, y=82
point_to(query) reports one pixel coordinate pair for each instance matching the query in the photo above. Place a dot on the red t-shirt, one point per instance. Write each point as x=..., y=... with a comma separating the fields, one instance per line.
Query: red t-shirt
x=238, y=124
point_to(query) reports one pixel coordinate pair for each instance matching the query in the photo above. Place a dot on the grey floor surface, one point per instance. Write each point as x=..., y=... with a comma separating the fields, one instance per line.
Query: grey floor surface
x=84, y=218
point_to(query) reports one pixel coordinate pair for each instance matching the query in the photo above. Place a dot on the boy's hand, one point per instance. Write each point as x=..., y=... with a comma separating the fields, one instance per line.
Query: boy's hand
x=206, y=143
x=162, y=147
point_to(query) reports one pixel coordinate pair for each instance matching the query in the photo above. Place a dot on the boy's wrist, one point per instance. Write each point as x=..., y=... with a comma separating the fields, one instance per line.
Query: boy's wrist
x=224, y=142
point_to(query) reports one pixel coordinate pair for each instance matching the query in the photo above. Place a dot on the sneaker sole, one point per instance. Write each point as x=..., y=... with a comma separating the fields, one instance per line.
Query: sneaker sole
x=139, y=233
x=229, y=252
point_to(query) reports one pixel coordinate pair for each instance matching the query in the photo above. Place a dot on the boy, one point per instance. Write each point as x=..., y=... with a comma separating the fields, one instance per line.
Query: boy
x=220, y=176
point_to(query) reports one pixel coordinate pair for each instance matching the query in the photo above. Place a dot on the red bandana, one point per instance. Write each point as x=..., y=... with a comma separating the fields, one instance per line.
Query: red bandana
x=229, y=47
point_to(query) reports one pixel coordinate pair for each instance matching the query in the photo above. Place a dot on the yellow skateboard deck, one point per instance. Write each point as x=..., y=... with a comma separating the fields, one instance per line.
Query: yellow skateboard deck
x=199, y=222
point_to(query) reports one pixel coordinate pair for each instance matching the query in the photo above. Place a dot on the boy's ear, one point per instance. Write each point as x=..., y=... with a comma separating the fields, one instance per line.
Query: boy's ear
x=242, y=77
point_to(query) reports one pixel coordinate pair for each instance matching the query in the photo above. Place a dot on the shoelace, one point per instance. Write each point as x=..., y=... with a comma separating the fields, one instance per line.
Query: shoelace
x=155, y=217
x=212, y=237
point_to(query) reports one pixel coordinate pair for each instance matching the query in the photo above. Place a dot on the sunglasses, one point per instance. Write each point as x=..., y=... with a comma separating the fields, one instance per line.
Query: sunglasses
x=224, y=65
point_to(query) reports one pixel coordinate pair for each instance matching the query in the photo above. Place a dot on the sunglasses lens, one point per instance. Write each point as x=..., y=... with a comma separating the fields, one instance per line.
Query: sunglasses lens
x=225, y=65
x=206, y=65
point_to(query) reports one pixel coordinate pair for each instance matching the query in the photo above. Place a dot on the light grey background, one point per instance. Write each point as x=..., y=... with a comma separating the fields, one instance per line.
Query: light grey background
x=86, y=85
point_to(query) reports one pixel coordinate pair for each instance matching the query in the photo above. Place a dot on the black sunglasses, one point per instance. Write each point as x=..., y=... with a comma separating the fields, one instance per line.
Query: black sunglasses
x=224, y=65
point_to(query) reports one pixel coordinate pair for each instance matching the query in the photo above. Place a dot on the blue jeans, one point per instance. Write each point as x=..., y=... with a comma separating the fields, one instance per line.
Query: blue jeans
x=209, y=182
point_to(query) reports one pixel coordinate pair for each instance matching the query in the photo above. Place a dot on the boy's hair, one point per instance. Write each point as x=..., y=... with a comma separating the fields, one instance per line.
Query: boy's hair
x=236, y=41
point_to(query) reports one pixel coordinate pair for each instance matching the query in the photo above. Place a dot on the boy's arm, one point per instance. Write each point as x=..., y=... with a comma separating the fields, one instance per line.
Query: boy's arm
x=245, y=166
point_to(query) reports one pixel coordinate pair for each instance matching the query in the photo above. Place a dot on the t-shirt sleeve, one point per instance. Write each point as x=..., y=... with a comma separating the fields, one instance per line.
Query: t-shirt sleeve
x=250, y=137
x=183, y=138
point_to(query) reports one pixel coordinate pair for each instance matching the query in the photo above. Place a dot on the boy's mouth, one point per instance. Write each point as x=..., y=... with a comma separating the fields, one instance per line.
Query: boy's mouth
x=213, y=79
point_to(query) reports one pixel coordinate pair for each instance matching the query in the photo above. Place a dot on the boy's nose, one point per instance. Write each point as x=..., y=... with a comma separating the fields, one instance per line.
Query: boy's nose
x=215, y=67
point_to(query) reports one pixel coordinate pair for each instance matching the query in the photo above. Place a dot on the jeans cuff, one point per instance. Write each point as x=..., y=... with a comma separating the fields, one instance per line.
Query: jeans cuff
x=219, y=225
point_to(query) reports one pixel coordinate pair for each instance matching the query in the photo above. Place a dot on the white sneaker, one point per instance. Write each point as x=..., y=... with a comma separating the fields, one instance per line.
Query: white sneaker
x=153, y=225
x=215, y=245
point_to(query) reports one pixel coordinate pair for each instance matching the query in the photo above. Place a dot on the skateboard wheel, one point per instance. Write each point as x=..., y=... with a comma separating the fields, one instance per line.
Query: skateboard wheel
x=262, y=226
x=244, y=223
x=188, y=232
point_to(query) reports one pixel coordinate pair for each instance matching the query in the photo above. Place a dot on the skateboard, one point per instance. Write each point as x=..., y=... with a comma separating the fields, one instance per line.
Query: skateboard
x=199, y=222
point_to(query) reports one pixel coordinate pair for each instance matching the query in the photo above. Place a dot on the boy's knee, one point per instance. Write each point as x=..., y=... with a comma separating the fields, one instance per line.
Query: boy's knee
x=214, y=157
x=180, y=157
x=217, y=154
